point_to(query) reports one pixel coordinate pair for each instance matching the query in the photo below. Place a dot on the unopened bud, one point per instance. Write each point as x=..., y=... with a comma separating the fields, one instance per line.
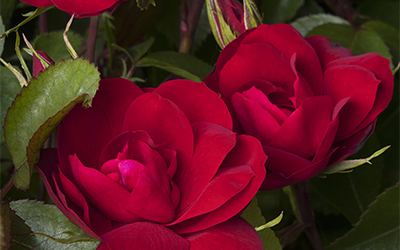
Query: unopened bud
x=229, y=18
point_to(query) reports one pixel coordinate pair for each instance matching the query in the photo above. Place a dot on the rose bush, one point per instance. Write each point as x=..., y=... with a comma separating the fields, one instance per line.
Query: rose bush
x=155, y=170
x=309, y=101
x=81, y=8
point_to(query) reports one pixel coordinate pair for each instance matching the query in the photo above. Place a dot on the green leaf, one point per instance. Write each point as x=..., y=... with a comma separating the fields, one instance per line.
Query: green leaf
x=338, y=33
x=279, y=11
x=365, y=41
x=305, y=24
x=184, y=65
x=5, y=225
x=359, y=41
x=347, y=165
x=378, y=227
x=7, y=9
x=9, y=88
x=51, y=229
x=54, y=46
x=137, y=51
x=389, y=34
x=253, y=215
x=39, y=108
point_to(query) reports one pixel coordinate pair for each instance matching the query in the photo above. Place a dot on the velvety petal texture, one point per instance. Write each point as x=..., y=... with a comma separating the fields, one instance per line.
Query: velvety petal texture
x=79, y=8
x=309, y=101
x=160, y=169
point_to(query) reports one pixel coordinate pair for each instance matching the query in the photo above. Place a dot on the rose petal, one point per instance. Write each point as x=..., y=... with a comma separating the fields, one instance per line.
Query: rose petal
x=288, y=41
x=245, y=66
x=39, y=3
x=47, y=168
x=86, y=8
x=246, y=160
x=197, y=101
x=361, y=86
x=92, y=217
x=212, y=144
x=287, y=169
x=105, y=194
x=164, y=122
x=381, y=68
x=253, y=116
x=113, y=98
x=234, y=234
x=143, y=235
x=151, y=198
x=212, y=80
x=304, y=129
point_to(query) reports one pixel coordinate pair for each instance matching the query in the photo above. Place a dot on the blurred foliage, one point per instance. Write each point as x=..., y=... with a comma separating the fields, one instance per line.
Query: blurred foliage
x=340, y=201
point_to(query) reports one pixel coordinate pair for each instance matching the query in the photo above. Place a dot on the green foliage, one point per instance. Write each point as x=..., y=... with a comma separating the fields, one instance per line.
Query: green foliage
x=51, y=229
x=279, y=11
x=53, y=45
x=39, y=108
x=138, y=51
x=6, y=10
x=183, y=65
x=378, y=227
x=389, y=34
x=305, y=24
x=9, y=88
x=359, y=41
x=253, y=215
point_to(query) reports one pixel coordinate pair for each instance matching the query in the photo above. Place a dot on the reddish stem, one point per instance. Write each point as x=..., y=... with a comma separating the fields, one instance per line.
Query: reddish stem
x=91, y=41
x=190, y=15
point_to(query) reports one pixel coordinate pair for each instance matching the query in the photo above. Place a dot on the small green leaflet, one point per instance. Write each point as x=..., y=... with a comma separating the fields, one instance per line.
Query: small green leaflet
x=346, y=166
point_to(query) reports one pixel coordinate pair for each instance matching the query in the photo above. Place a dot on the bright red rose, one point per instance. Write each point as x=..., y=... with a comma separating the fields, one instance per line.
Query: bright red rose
x=155, y=170
x=309, y=101
x=81, y=8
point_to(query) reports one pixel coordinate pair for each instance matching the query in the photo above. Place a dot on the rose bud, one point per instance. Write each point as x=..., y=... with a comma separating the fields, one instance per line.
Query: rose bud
x=229, y=18
x=38, y=64
x=81, y=8
x=310, y=102
x=155, y=170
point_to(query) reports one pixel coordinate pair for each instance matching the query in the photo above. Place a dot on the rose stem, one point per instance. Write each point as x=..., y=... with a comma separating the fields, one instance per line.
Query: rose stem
x=91, y=41
x=301, y=192
x=43, y=23
x=190, y=15
x=7, y=187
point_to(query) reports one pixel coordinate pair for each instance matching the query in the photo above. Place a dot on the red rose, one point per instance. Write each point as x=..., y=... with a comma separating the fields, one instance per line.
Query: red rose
x=310, y=102
x=81, y=8
x=155, y=170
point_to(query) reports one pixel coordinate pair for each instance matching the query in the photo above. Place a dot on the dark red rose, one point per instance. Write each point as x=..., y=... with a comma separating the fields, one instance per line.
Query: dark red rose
x=81, y=8
x=309, y=101
x=155, y=170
